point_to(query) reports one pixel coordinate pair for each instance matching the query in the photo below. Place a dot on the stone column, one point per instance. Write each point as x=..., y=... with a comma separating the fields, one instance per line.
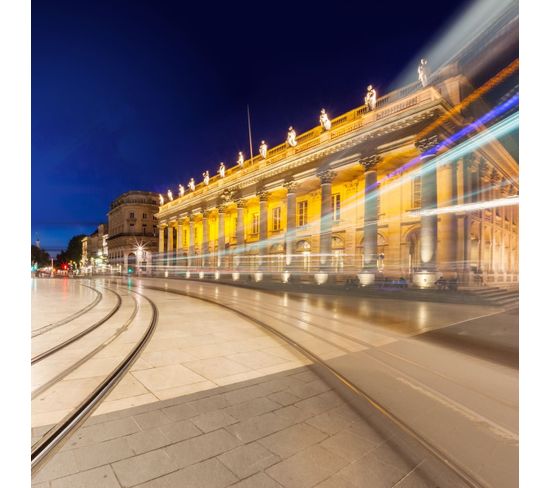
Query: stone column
x=325, y=237
x=290, y=234
x=494, y=194
x=205, y=239
x=241, y=205
x=221, y=235
x=469, y=174
x=370, y=221
x=447, y=228
x=161, y=238
x=170, y=250
x=427, y=276
x=179, y=240
x=263, y=195
x=484, y=195
x=191, y=251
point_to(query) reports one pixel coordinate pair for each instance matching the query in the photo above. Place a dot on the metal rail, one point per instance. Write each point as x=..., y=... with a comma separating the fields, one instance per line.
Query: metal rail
x=55, y=437
x=461, y=472
x=72, y=317
x=81, y=334
x=80, y=362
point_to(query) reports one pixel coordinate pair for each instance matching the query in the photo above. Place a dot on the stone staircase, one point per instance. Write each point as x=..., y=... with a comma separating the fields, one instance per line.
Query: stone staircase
x=504, y=296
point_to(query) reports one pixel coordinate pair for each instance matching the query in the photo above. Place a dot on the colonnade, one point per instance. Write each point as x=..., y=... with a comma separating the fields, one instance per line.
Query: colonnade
x=447, y=241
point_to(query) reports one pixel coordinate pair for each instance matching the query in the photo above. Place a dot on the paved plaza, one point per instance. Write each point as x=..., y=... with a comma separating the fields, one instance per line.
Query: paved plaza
x=216, y=399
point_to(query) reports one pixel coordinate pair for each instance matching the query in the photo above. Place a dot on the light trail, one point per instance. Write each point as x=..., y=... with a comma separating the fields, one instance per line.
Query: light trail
x=467, y=207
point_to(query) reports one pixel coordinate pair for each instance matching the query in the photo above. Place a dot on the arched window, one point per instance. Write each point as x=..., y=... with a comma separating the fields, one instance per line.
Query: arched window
x=303, y=248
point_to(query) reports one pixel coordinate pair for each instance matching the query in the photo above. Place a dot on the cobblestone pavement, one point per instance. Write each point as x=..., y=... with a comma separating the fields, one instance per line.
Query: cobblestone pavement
x=288, y=429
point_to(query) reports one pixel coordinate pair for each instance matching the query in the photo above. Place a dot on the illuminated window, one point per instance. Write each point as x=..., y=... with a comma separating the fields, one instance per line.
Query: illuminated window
x=416, y=192
x=276, y=218
x=302, y=213
x=255, y=223
x=336, y=206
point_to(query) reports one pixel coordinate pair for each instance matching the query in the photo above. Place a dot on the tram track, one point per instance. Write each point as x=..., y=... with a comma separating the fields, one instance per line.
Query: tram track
x=463, y=473
x=73, y=367
x=43, y=355
x=70, y=318
x=54, y=439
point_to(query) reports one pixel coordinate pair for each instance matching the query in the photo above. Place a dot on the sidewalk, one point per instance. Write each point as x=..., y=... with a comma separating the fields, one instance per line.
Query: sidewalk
x=283, y=430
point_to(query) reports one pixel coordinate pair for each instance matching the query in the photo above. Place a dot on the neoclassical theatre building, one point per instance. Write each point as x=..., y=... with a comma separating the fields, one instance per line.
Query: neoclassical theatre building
x=357, y=196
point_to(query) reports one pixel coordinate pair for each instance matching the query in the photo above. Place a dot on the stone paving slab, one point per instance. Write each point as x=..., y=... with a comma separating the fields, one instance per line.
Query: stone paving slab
x=287, y=430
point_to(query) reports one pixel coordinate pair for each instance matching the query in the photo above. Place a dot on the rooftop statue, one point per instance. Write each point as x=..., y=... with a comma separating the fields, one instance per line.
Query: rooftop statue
x=181, y=189
x=240, y=161
x=206, y=177
x=324, y=120
x=191, y=184
x=221, y=170
x=291, y=137
x=161, y=199
x=263, y=149
x=423, y=72
x=170, y=196
x=370, y=98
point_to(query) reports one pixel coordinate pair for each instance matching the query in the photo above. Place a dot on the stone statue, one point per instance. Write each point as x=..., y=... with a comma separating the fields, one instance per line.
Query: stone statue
x=161, y=199
x=324, y=120
x=191, y=184
x=423, y=72
x=181, y=190
x=221, y=170
x=206, y=177
x=370, y=98
x=263, y=149
x=291, y=137
x=240, y=161
x=170, y=196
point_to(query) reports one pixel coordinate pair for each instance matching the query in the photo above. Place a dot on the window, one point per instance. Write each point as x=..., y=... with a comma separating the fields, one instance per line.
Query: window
x=131, y=215
x=302, y=213
x=416, y=192
x=144, y=215
x=276, y=218
x=132, y=228
x=144, y=228
x=336, y=207
x=255, y=223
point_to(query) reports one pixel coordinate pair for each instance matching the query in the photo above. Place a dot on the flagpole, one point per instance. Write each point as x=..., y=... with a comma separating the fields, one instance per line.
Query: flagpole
x=249, y=132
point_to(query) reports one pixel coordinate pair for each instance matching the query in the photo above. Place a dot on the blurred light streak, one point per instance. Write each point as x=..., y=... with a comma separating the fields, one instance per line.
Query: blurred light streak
x=467, y=207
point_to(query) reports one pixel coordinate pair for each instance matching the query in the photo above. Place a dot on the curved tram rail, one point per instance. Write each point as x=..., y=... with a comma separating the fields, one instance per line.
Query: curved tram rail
x=81, y=361
x=467, y=478
x=56, y=436
x=71, y=317
x=76, y=337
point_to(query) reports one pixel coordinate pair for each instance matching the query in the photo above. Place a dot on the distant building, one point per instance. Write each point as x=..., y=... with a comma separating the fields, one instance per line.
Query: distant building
x=133, y=234
x=95, y=250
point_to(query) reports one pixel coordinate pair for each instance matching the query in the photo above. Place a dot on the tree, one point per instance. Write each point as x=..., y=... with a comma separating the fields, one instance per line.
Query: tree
x=39, y=256
x=73, y=251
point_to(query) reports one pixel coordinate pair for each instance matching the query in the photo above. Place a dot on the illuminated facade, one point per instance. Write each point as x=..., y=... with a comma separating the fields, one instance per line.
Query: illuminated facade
x=353, y=201
x=133, y=234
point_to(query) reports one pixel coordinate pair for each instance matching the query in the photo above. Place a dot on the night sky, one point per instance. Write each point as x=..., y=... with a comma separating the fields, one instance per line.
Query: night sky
x=144, y=95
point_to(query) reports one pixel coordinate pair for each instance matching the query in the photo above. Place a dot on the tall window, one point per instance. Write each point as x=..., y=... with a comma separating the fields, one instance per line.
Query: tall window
x=336, y=207
x=131, y=215
x=416, y=192
x=255, y=223
x=144, y=215
x=276, y=218
x=302, y=213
